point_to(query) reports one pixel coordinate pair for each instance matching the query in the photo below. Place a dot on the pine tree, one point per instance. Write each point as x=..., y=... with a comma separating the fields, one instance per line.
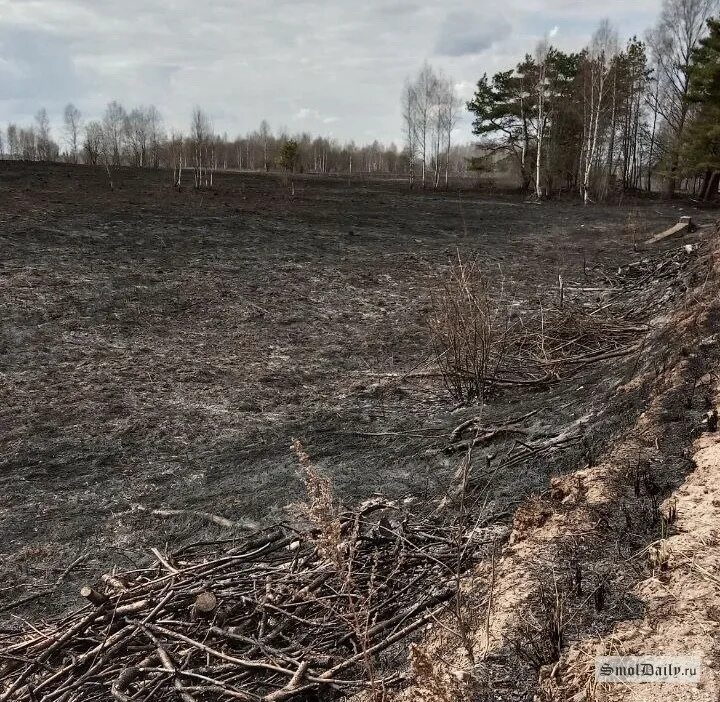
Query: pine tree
x=701, y=148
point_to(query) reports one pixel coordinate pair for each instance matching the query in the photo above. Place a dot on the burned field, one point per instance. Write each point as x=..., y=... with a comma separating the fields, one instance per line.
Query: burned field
x=162, y=349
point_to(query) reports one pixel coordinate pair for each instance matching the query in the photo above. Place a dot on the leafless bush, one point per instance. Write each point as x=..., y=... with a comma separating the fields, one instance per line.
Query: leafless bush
x=322, y=511
x=632, y=228
x=470, y=330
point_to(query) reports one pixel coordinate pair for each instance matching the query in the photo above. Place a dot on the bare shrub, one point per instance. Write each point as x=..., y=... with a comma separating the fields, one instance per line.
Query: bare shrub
x=633, y=225
x=322, y=511
x=469, y=327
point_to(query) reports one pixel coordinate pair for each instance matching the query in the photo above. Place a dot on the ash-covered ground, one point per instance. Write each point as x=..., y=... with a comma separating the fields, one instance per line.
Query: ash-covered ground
x=159, y=350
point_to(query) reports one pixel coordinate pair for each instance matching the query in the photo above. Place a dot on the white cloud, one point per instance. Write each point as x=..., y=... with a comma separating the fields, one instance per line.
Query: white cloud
x=304, y=113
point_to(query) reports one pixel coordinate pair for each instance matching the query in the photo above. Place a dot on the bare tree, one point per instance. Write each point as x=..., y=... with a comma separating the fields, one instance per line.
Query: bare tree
x=445, y=112
x=541, y=56
x=72, y=119
x=109, y=154
x=93, y=142
x=28, y=144
x=177, y=157
x=681, y=26
x=450, y=110
x=265, y=134
x=653, y=102
x=143, y=134
x=428, y=106
x=601, y=54
x=13, y=141
x=43, y=135
x=201, y=134
x=114, y=130
x=437, y=128
x=155, y=135
x=426, y=88
x=136, y=130
x=409, y=109
x=350, y=149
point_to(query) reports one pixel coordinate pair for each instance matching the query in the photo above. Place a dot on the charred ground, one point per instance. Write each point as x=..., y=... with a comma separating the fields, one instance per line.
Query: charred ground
x=160, y=349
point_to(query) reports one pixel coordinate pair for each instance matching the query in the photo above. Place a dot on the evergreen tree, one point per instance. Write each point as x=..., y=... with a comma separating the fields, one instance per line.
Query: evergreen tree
x=701, y=148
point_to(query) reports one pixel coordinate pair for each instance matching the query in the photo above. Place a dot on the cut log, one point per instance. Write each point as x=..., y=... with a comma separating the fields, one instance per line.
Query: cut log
x=205, y=603
x=685, y=225
x=115, y=583
x=97, y=598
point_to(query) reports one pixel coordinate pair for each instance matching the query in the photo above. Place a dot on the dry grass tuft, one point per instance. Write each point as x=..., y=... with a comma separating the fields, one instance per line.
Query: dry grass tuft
x=541, y=631
x=320, y=509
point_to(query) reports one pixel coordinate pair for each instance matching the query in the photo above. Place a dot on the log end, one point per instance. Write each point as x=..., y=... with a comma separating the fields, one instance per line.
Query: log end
x=205, y=603
x=93, y=596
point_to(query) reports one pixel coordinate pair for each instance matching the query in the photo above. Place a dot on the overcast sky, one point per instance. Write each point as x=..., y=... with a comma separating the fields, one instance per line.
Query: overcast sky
x=332, y=67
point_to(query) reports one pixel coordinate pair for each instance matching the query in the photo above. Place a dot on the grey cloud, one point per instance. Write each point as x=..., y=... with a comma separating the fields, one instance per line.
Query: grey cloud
x=35, y=63
x=245, y=60
x=464, y=33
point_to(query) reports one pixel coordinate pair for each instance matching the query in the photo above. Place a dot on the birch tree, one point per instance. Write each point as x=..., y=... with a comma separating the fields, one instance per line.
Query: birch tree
x=72, y=119
x=201, y=134
x=140, y=128
x=93, y=142
x=426, y=89
x=114, y=130
x=601, y=54
x=450, y=115
x=541, y=57
x=409, y=111
x=13, y=141
x=156, y=135
x=265, y=134
x=43, y=135
x=177, y=157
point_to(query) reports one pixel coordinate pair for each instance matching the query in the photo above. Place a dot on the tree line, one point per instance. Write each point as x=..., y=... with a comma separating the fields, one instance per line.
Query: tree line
x=137, y=137
x=612, y=118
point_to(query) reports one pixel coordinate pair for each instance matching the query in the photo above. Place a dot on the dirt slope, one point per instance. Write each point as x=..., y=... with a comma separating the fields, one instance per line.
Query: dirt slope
x=619, y=558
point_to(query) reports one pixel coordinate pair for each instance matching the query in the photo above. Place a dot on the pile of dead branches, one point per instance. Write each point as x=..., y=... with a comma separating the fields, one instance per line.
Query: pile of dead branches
x=272, y=618
x=571, y=336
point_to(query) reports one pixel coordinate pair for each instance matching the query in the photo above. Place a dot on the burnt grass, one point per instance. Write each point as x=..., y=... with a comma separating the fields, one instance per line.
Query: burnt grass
x=160, y=350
